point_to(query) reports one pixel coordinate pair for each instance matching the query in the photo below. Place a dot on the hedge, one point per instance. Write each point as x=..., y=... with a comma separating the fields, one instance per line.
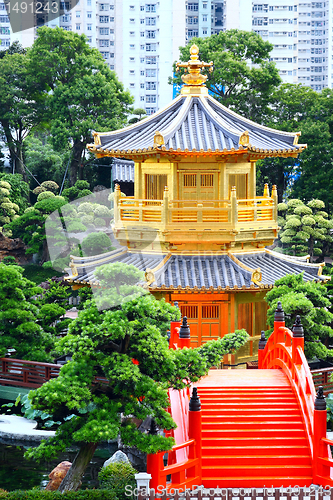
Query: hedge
x=55, y=495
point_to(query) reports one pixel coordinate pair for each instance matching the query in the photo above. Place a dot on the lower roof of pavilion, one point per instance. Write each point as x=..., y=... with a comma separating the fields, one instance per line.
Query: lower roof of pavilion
x=224, y=272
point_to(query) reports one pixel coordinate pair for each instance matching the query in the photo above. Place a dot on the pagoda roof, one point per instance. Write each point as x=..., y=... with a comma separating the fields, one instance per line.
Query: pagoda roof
x=215, y=272
x=196, y=124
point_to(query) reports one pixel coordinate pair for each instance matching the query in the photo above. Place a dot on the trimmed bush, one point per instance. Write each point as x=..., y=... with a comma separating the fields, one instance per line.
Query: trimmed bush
x=45, y=195
x=96, y=243
x=116, y=476
x=55, y=495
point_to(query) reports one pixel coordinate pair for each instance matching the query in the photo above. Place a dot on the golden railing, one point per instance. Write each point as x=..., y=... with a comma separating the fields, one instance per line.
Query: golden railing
x=195, y=212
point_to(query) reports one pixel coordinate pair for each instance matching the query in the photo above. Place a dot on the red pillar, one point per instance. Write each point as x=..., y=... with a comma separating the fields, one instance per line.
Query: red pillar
x=174, y=329
x=320, y=449
x=184, y=335
x=261, y=349
x=195, y=430
x=154, y=467
x=278, y=322
x=298, y=340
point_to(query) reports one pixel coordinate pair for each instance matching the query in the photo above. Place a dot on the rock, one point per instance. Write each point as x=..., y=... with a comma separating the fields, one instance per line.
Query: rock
x=119, y=456
x=14, y=247
x=57, y=475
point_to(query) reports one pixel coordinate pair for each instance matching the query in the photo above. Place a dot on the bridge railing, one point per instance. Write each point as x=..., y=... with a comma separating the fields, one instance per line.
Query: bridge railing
x=285, y=350
x=22, y=373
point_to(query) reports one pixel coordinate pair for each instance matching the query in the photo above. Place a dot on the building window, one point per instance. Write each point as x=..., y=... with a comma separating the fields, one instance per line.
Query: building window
x=151, y=47
x=142, y=98
x=132, y=46
x=132, y=33
x=132, y=85
x=102, y=31
x=66, y=18
x=142, y=85
x=151, y=34
x=204, y=32
x=142, y=59
x=78, y=27
x=132, y=20
x=78, y=13
x=89, y=15
x=142, y=73
x=105, y=55
x=150, y=85
x=132, y=7
x=103, y=19
x=151, y=98
x=89, y=27
x=142, y=7
x=104, y=43
x=150, y=7
x=150, y=111
x=194, y=6
x=151, y=21
x=89, y=3
x=132, y=72
x=111, y=66
x=89, y=39
x=132, y=59
x=142, y=33
x=150, y=59
x=150, y=72
x=204, y=17
x=204, y=5
x=111, y=54
x=104, y=6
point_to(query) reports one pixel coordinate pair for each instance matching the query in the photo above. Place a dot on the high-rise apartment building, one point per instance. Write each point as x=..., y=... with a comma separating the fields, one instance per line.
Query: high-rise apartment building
x=139, y=39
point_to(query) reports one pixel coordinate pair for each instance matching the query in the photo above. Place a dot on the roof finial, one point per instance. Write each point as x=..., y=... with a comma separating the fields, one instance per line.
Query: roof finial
x=194, y=67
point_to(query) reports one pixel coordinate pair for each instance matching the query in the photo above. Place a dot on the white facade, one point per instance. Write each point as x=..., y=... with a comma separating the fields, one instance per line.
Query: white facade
x=139, y=39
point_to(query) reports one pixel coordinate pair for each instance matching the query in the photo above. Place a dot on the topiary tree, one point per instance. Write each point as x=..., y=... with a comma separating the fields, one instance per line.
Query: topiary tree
x=8, y=210
x=310, y=300
x=30, y=226
x=104, y=344
x=96, y=243
x=79, y=190
x=53, y=305
x=305, y=227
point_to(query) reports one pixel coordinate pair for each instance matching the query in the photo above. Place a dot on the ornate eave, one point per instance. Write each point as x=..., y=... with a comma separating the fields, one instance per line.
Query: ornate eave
x=196, y=125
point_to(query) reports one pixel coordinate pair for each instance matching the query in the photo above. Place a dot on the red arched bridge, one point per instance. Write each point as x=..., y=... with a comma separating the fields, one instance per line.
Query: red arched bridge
x=239, y=428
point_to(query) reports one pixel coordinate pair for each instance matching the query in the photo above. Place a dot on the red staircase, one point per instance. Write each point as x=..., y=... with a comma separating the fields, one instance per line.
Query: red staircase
x=253, y=428
x=252, y=436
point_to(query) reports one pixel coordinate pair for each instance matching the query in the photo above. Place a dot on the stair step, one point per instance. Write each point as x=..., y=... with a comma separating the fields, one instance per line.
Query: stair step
x=252, y=432
x=252, y=460
x=250, y=440
x=250, y=411
x=286, y=471
x=274, y=481
x=217, y=451
x=252, y=424
x=236, y=417
x=246, y=404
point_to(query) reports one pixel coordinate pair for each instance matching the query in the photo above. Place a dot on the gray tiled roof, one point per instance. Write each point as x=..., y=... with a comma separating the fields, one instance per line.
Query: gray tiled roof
x=194, y=272
x=274, y=267
x=123, y=170
x=201, y=271
x=196, y=123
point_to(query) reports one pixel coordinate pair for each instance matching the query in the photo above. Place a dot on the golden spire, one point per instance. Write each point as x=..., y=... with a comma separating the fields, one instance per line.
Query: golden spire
x=194, y=67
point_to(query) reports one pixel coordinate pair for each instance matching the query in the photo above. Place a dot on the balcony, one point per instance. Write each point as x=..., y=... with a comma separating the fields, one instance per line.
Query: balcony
x=224, y=220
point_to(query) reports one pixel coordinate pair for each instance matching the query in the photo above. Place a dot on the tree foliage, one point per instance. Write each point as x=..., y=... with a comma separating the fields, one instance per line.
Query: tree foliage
x=309, y=300
x=82, y=93
x=305, y=227
x=20, y=328
x=104, y=345
x=243, y=78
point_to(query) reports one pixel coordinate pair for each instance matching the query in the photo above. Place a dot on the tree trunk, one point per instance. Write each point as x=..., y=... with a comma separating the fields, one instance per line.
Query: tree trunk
x=72, y=480
x=15, y=152
x=76, y=162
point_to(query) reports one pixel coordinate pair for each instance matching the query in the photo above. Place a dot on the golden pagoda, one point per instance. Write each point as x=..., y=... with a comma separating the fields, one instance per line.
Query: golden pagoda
x=195, y=224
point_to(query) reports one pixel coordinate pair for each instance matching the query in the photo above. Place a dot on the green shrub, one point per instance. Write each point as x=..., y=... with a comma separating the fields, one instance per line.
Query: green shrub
x=45, y=195
x=56, y=495
x=96, y=243
x=116, y=476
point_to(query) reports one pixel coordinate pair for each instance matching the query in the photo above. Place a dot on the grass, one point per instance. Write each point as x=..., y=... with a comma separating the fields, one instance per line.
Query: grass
x=38, y=274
